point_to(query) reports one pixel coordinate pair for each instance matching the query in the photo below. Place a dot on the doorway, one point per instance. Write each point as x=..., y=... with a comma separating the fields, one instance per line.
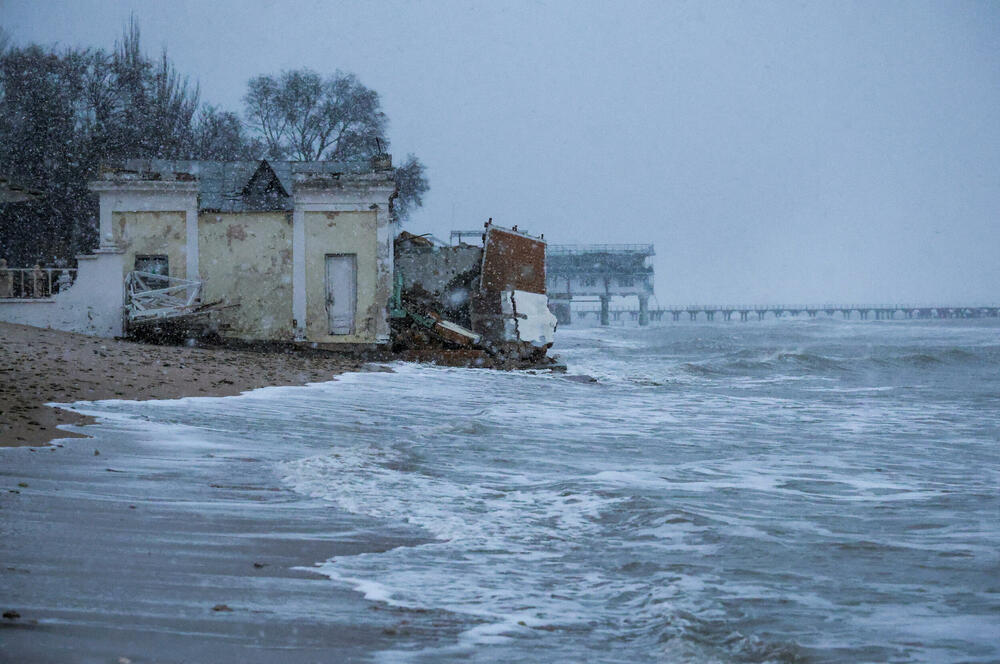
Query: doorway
x=341, y=292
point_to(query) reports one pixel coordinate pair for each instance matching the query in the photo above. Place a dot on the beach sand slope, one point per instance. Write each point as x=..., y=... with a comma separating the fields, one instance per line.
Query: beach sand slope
x=38, y=366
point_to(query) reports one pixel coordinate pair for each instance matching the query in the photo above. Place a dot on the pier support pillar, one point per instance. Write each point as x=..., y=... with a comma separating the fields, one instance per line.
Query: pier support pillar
x=643, y=310
x=562, y=310
x=605, y=310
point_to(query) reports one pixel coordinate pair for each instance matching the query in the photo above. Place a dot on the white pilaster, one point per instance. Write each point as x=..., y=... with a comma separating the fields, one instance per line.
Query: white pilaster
x=107, y=239
x=384, y=237
x=299, y=272
x=364, y=194
x=191, y=226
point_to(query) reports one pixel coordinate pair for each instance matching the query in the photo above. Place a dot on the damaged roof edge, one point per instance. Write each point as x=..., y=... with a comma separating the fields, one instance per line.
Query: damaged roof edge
x=230, y=186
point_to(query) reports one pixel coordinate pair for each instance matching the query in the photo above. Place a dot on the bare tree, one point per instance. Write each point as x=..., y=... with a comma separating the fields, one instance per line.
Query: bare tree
x=154, y=105
x=306, y=117
x=219, y=135
x=265, y=114
x=411, y=185
x=65, y=111
x=301, y=115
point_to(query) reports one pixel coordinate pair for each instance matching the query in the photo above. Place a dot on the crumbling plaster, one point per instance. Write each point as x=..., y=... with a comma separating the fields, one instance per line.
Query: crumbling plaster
x=152, y=233
x=345, y=215
x=141, y=196
x=434, y=268
x=361, y=206
x=246, y=261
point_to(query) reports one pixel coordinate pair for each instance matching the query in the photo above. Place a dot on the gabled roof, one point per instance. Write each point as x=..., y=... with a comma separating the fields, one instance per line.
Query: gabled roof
x=263, y=181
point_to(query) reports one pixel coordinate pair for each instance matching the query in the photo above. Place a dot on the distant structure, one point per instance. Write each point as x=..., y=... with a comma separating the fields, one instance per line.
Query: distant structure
x=598, y=270
x=707, y=312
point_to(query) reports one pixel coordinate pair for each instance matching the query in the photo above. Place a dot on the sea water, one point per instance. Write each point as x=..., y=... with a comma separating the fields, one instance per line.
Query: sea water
x=793, y=490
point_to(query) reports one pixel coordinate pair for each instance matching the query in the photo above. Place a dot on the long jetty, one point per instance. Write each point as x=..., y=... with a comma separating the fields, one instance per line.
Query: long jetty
x=743, y=312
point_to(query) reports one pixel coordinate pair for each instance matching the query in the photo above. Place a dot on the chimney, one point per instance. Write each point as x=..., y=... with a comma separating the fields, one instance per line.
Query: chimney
x=382, y=162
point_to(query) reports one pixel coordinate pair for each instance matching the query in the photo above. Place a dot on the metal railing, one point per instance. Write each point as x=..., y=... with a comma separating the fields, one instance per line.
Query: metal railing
x=34, y=283
x=151, y=296
x=795, y=308
x=820, y=307
x=597, y=275
x=578, y=249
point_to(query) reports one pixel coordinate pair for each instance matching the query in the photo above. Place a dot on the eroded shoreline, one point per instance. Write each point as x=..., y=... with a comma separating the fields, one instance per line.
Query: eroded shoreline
x=40, y=366
x=175, y=545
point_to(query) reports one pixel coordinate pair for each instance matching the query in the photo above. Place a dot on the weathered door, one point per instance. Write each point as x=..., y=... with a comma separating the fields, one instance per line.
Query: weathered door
x=341, y=291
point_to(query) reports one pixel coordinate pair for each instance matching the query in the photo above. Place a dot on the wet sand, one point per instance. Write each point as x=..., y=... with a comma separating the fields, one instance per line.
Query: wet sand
x=151, y=551
x=39, y=366
x=129, y=548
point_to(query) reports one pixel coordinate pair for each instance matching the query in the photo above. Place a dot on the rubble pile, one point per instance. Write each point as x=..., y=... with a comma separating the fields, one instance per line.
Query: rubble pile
x=471, y=305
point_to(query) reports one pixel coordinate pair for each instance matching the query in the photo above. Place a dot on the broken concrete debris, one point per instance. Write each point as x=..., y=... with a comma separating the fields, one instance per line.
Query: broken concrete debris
x=489, y=299
x=527, y=318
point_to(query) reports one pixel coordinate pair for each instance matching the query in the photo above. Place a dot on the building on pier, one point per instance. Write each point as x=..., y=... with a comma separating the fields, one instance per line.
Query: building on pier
x=598, y=270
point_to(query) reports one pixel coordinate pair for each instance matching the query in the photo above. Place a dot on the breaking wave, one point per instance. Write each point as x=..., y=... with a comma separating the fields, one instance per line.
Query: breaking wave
x=706, y=499
x=768, y=365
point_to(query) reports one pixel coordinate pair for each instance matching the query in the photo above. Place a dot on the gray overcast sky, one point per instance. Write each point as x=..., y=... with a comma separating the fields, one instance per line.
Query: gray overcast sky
x=780, y=152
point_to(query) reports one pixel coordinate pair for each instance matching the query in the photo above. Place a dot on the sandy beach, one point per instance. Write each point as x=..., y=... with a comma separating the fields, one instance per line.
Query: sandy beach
x=159, y=550
x=39, y=366
x=129, y=547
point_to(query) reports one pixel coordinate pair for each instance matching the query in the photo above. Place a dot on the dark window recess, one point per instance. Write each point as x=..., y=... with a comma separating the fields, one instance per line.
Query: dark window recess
x=154, y=264
x=263, y=191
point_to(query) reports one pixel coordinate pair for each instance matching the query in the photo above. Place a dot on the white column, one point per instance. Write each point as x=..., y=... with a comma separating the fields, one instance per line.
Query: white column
x=384, y=255
x=107, y=239
x=299, y=273
x=191, y=226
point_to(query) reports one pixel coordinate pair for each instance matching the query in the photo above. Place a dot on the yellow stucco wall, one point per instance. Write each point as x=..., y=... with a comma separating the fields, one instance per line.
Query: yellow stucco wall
x=246, y=259
x=153, y=233
x=341, y=233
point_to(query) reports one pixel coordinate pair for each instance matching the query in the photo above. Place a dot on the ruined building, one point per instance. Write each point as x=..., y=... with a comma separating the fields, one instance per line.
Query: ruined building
x=295, y=252
x=490, y=297
x=277, y=251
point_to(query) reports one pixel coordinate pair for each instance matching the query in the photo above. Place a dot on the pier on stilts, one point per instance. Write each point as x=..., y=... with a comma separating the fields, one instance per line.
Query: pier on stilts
x=581, y=281
x=759, y=312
